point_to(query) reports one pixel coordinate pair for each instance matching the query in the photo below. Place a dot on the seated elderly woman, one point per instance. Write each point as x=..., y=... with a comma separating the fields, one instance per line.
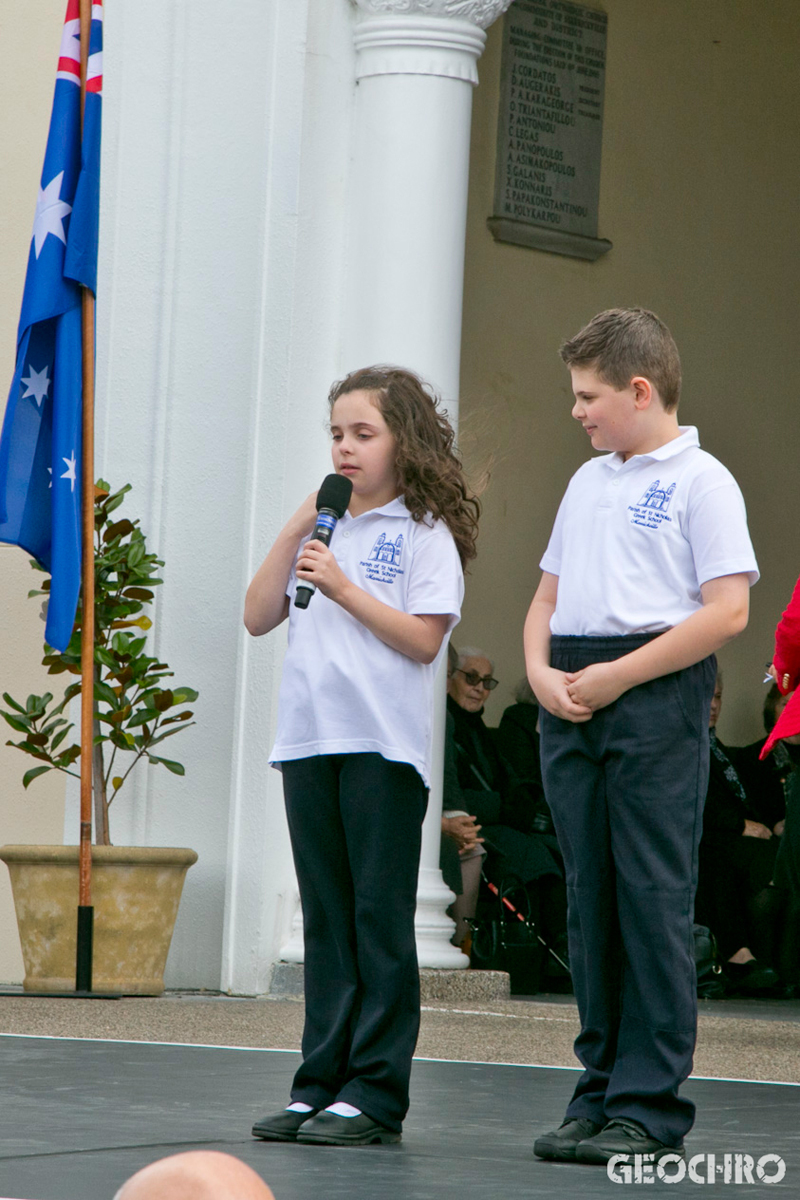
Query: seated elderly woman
x=461, y=851
x=505, y=806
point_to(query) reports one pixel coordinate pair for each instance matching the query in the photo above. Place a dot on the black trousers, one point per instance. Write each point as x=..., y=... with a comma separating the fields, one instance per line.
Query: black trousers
x=626, y=790
x=355, y=822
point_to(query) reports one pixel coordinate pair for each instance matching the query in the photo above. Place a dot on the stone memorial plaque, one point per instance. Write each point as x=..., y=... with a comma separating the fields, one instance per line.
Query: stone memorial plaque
x=550, y=128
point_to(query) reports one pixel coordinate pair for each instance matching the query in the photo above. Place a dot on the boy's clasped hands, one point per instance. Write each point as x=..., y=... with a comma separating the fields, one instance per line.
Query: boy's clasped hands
x=575, y=695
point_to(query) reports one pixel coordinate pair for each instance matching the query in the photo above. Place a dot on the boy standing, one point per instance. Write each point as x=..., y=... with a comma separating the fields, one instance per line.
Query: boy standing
x=645, y=576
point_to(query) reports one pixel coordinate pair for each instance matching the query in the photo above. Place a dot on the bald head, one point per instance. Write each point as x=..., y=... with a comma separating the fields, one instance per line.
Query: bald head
x=196, y=1175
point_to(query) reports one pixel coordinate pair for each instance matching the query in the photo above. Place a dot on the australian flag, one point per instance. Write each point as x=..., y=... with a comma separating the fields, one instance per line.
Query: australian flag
x=40, y=445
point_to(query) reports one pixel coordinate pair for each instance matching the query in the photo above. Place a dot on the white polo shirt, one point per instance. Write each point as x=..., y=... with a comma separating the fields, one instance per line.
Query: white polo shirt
x=633, y=541
x=345, y=691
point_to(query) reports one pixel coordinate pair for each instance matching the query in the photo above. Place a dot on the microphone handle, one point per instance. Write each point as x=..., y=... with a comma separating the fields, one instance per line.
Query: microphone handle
x=323, y=532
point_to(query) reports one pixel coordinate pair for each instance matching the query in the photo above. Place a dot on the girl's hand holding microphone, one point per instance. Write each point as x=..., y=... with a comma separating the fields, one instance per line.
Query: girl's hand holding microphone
x=318, y=565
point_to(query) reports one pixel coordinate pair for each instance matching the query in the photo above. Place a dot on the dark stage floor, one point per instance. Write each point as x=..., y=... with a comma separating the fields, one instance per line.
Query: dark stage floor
x=79, y=1117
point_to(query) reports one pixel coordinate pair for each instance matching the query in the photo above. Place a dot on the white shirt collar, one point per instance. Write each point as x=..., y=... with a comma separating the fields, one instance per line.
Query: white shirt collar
x=688, y=437
x=395, y=508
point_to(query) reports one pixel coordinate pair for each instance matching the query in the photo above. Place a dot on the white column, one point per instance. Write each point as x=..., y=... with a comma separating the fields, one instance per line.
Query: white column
x=416, y=67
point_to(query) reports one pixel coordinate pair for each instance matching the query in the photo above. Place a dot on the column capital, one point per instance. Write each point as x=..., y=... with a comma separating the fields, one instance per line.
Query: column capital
x=423, y=37
x=481, y=12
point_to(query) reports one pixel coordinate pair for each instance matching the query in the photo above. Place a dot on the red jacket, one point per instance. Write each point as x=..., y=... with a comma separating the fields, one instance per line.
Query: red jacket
x=786, y=661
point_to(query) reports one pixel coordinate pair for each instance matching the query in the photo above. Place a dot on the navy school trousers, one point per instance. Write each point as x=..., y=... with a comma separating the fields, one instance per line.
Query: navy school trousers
x=627, y=790
x=355, y=822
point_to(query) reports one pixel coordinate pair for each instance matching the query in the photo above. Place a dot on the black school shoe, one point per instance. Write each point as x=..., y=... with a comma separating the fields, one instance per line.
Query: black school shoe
x=623, y=1136
x=560, y=1145
x=281, y=1126
x=328, y=1129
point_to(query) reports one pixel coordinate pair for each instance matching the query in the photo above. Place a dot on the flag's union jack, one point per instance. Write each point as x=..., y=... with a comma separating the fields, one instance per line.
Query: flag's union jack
x=69, y=62
x=40, y=445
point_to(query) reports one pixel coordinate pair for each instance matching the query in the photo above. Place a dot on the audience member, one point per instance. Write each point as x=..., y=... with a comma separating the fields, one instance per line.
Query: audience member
x=518, y=743
x=196, y=1175
x=504, y=806
x=461, y=849
x=737, y=860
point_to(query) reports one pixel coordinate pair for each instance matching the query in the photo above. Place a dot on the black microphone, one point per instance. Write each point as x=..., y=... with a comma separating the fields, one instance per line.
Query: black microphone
x=332, y=501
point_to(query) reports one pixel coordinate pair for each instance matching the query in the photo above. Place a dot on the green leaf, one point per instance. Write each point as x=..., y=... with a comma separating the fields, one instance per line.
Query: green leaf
x=58, y=739
x=29, y=776
x=185, y=695
x=117, y=782
x=136, y=552
x=169, y=733
x=103, y=692
x=72, y=690
x=67, y=757
x=119, y=529
x=176, y=767
x=32, y=750
x=104, y=658
x=140, y=717
x=16, y=722
x=12, y=703
x=52, y=725
x=137, y=593
x=164, y=700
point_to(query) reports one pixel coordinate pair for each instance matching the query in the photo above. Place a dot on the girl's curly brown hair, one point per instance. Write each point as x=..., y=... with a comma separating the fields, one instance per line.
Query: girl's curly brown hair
x=429, y=470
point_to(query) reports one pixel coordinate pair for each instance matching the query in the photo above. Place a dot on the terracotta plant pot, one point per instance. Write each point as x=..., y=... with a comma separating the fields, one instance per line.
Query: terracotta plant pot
x=135, y=894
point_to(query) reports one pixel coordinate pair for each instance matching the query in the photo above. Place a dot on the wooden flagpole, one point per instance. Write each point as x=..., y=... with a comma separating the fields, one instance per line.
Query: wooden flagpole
x=83, y=966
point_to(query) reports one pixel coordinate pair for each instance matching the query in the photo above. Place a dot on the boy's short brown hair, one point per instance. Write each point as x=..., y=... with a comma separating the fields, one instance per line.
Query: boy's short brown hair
x=623, y=342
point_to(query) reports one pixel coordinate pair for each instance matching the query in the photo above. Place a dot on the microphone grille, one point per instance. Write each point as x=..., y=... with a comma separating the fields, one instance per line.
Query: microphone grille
x=335, y=493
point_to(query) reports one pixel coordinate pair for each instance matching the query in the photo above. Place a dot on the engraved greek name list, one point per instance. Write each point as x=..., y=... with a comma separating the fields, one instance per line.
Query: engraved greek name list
x=550, y=128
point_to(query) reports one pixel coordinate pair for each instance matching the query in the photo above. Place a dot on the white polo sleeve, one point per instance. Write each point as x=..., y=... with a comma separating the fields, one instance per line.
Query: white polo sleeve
x=718, y=534
x=551, y=559
x=436, y=581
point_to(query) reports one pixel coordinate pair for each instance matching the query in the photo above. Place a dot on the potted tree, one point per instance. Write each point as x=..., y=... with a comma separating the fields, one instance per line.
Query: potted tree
x=136, y=890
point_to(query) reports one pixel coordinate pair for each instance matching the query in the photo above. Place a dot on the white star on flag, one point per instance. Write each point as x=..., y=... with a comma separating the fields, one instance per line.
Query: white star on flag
x=50, y=213
x=38, y=384
x=50, y=472
x=70, y=471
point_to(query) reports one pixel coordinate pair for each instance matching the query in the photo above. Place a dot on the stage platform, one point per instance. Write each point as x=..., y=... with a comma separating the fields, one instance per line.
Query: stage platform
x=80, y=1116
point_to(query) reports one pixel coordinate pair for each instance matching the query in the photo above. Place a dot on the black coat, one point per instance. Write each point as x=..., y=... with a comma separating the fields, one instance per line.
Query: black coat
x=503, y=804
x=725, y=812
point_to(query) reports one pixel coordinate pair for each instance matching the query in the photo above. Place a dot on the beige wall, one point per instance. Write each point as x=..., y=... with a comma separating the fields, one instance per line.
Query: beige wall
x=30, y=39
x=699, y=195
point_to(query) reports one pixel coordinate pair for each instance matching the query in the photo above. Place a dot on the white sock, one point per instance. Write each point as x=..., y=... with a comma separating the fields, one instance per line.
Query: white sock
x=342, y=1109
x=298, y=1106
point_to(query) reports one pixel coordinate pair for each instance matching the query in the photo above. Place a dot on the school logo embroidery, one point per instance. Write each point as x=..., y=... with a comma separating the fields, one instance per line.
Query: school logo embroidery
x=657, y=497
x=385, y=551
x=651, y=510
x=383, y=564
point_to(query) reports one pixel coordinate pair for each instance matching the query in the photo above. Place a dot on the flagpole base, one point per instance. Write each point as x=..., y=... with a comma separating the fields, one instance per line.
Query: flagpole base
x=83, y=964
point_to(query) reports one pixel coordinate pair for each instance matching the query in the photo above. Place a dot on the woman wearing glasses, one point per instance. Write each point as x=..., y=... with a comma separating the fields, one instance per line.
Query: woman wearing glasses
x=503, y=804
